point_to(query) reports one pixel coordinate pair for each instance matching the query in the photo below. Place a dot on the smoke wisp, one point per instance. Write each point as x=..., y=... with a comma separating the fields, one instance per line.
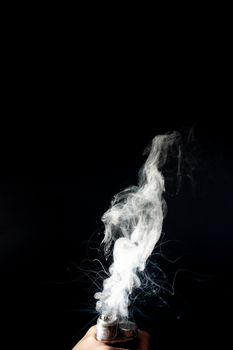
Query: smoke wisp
x=133, y=226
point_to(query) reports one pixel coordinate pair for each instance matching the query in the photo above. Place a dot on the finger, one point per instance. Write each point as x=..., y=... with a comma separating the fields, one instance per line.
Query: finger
x=91, y=331
x=89, y=339
x=143, y=340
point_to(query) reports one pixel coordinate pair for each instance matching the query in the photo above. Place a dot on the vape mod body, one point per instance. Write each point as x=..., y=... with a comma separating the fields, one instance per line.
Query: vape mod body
x=116, y=333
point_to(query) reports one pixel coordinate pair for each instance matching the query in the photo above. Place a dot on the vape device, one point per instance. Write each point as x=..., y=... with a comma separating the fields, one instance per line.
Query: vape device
x=116, y=333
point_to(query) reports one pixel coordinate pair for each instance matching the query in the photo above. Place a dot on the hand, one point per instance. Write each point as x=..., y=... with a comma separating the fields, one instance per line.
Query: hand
x=88, y=342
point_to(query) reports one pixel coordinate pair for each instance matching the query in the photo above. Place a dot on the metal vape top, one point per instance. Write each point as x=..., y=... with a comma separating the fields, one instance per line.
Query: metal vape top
x=116, y=333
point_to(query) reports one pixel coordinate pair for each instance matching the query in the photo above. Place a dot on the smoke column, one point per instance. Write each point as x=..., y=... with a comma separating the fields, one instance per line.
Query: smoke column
x=133, y=226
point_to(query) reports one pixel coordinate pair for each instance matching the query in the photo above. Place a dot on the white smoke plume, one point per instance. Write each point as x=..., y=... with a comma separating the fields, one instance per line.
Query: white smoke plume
x=134, y=224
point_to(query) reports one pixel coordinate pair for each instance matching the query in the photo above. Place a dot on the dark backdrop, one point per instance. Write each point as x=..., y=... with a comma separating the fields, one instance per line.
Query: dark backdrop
x=57, y=179
x=77, y=114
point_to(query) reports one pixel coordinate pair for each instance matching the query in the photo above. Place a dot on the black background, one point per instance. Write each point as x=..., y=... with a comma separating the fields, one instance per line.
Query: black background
x=51, y=205
x=75, y=123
